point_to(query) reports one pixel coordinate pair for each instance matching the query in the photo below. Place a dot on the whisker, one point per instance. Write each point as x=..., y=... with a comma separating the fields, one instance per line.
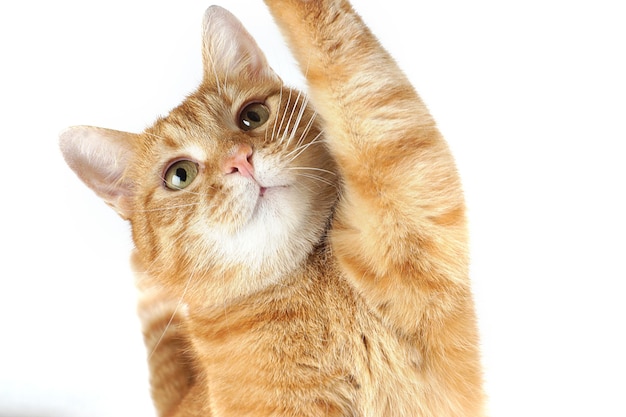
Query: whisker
x=149, y=270
x=317, y=178
x=280, y=126
x=298, y=151
x=280, y=100
x=309, y=124
x=178, y=305
x=308, y=187
x=298, y=117
x=307, y=128
x=288, y=133
x=312, y=169
x=293, y=109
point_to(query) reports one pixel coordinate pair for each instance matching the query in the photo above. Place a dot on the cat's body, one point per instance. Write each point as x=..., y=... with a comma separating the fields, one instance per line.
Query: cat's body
x=296, y=262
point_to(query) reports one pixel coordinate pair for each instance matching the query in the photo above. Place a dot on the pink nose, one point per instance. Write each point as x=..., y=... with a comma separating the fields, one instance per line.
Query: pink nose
x=240, y=162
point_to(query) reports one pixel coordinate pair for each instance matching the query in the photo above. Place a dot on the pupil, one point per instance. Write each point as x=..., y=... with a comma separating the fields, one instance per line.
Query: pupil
x=182, y=174
x=254, y=116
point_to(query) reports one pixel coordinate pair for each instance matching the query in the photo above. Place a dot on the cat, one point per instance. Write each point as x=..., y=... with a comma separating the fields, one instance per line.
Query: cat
x=299, y=254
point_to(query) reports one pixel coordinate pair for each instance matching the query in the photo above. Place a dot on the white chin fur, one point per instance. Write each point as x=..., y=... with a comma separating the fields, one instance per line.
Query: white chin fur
x=278, y=237
x=278, y=226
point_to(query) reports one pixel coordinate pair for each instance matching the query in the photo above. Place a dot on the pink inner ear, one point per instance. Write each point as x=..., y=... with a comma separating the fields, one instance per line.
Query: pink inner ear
x=100, y=158
x=229, y=49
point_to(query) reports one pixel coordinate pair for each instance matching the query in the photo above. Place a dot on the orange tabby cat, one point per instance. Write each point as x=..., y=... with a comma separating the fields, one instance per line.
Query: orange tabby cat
x=297, y=259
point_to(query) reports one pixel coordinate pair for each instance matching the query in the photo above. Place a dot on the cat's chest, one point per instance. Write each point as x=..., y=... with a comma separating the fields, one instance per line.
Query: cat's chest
x=320, y=337
x=305, y=315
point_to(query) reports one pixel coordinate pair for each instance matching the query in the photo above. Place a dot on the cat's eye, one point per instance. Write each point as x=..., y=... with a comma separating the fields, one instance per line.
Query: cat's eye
x=180, y=174
x=253, y=115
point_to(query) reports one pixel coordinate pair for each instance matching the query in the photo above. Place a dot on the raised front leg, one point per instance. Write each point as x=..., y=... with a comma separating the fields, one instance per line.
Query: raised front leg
x=400, y=230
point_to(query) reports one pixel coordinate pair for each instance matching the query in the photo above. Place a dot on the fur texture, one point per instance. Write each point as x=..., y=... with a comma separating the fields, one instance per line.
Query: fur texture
x=297, y=258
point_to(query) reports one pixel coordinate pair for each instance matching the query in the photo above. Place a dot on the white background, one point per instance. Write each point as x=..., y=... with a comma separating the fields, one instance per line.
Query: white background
x=531, y=96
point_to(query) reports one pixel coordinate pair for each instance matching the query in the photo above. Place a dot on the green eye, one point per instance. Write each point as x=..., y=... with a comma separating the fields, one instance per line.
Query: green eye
x=180, y=174
x=253, y=115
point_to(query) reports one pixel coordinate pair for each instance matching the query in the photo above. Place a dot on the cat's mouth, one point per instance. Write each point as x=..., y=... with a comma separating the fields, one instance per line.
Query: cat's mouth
x=263, y=190
x=267, y=197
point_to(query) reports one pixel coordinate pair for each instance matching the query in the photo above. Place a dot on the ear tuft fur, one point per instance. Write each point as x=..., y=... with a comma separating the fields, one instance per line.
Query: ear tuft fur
x=100, y=157
x=229, y=51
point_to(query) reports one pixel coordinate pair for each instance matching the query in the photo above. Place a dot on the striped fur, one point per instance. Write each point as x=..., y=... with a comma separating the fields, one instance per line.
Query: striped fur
x=317, y=265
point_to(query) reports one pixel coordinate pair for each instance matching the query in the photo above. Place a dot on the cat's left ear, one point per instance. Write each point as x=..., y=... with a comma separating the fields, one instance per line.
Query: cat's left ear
x=228, y=49
x=100, y=158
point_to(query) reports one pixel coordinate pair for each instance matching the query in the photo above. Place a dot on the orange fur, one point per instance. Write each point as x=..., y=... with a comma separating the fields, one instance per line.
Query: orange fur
x=317, y=264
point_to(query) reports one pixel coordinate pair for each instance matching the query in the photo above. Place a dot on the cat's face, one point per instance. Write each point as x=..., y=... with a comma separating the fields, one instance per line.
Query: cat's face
x=232, y=182
x=229, y=191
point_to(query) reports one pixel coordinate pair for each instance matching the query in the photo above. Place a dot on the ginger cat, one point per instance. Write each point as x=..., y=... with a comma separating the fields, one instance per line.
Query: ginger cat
x=298, y=257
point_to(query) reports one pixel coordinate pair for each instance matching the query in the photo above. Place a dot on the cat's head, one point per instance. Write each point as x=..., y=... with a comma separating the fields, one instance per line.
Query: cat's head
x=229, y=191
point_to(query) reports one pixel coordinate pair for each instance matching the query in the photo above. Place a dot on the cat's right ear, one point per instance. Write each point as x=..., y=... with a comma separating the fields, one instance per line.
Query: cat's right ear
x=100, y=157
x=228, y=49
